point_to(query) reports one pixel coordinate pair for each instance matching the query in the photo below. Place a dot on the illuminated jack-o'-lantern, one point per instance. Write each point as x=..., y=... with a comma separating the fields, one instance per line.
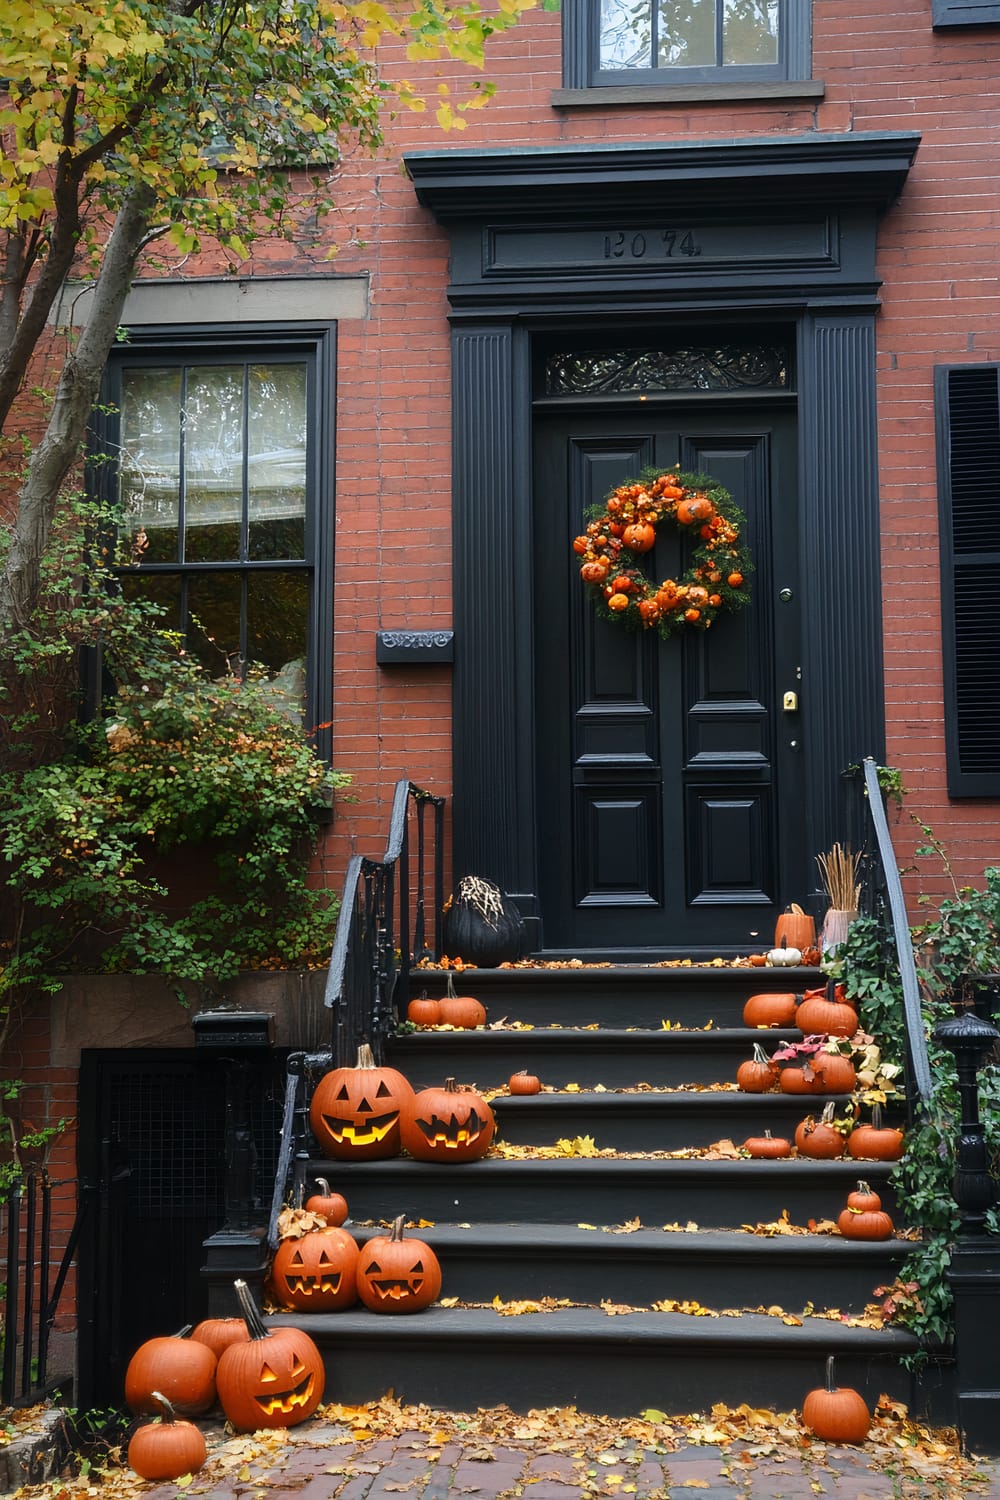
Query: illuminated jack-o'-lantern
x=355, y=1112
x=315, y=1272
x=397, y=1275
x=274, y=1380
x=448, y=1124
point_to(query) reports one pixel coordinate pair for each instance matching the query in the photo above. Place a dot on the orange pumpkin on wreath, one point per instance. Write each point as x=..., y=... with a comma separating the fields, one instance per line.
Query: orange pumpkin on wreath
x=609, y=550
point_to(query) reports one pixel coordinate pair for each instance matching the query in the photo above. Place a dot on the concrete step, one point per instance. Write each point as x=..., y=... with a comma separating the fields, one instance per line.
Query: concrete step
x=719, y=1269
x=617, y=996
x=615, y=1057
x=652, y=1121
x=602, y=1190
x=621, y=1365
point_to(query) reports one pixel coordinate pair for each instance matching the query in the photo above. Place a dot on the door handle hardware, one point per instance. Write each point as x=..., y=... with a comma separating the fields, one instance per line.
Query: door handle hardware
x=790, y=703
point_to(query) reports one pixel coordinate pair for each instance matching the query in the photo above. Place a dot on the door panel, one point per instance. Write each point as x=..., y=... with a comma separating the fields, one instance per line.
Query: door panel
x=659, y=761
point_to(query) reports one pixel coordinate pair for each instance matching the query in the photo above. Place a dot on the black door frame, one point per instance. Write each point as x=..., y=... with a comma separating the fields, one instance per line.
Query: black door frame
x=786, y=230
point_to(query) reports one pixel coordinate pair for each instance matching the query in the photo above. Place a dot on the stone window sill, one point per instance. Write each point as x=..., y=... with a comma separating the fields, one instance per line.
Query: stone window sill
x=685, y=93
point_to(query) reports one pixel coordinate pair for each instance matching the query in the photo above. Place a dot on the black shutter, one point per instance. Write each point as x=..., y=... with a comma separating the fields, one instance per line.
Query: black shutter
x=968, y=438
x=945, y=13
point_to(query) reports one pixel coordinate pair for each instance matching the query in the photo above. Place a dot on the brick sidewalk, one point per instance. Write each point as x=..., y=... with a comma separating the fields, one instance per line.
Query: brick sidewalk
x=320, y=1461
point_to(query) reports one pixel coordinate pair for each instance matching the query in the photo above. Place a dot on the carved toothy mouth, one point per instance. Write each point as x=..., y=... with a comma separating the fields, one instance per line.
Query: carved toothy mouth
x=369, y=1134
x=394, y=1291
x=449, y=1133
x=286, y=1401
x=307, y=1285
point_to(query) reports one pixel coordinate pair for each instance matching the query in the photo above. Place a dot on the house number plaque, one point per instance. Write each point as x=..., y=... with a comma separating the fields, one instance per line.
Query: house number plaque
x=660, y=246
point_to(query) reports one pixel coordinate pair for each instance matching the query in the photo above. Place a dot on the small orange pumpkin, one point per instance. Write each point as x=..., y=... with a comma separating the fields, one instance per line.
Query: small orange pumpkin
x=875, y=1142
x=328, y=1205
x=463, y=1011
x=864, y=1217
x=837, y=1414
x=695, y=508
x=640, y=536
x=757, y=1074
x=767, y=1147
x=424, y=1011
x=168, y=1448
x=524, y=1083
x=820, y=1139
x=796, y=928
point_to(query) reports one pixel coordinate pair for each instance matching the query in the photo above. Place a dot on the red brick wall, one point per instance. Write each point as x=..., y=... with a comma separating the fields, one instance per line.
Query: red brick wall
x=884, y=69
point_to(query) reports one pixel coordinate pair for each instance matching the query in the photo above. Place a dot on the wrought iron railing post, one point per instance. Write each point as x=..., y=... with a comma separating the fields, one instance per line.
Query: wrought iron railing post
x=12, y=1312
x=969, y=1039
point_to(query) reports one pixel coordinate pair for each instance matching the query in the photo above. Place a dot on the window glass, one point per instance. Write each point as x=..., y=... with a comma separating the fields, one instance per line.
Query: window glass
x=662, y=38
x=149, y=469
x=276, y=467
x=217, y=471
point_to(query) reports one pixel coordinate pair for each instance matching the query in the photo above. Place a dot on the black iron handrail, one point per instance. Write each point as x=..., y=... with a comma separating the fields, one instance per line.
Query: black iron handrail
x=382, y=931
x=916, y=1041
x=30, y=1298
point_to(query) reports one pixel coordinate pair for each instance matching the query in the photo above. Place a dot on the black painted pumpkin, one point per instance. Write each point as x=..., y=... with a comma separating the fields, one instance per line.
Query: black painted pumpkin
x=481, y=925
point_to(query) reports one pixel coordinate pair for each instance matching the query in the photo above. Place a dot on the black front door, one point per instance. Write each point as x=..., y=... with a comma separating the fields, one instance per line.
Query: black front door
x=670, y=785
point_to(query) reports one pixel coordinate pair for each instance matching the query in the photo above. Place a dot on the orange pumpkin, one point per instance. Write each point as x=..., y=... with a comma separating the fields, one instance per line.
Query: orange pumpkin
x=694, y=509
x=328, y=1205
x=827, y=1012
x=864, y=1218
x=640, y=536
x=767, y=1147
x=316, y=1271
x=837, y=1414
x=397, y=1275
x=820, y=1139
x=448, y=1124
x=275, y=1379
x=770, y=1009
x=524, y=1083
x=875, y=1142
x=463, y=1011
x=354, y=1112
x=168, y=1448
x=796, y=928
x=757, y=1074
x=424, y=1011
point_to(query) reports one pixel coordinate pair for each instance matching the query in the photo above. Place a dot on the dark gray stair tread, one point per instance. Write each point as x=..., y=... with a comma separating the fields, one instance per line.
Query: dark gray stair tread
x=652, y=1121
x=617, y=1365
x=602, y=1189
x=717, y=1269
x=624, y=995
x=614, y=1056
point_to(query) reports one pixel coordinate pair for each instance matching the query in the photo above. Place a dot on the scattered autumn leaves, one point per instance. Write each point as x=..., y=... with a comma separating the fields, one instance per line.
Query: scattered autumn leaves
x=418, y=1449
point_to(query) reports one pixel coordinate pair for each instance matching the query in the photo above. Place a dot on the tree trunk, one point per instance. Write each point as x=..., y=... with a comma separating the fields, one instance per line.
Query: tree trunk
x=76, y=394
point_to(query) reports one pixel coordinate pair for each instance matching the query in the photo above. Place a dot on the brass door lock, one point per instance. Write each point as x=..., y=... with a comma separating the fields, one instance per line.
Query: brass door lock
x=790, y=703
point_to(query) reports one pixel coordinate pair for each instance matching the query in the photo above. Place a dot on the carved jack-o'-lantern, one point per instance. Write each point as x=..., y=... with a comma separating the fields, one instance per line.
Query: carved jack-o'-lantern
x=354, y=1112
x=316, y=1271
x=448, y=1124
x=274, y=1380
x=397, y=1275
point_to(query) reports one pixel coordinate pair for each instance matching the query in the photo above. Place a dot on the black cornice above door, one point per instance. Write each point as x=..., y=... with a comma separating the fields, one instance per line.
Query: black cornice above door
x=565, y=182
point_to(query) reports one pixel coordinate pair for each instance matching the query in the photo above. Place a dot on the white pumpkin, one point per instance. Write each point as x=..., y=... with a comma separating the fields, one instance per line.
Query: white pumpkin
x=784, y=957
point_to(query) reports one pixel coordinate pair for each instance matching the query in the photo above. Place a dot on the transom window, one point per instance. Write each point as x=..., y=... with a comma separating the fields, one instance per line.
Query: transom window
x=610, y=43
x=220, y=469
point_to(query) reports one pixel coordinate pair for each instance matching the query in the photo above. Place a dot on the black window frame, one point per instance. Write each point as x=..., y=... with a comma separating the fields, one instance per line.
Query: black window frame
x=581, y=63
x=967, y=421
x=314, y=344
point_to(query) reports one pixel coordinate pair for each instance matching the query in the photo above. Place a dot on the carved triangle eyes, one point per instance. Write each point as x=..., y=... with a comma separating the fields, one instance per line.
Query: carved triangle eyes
x=383, y=1091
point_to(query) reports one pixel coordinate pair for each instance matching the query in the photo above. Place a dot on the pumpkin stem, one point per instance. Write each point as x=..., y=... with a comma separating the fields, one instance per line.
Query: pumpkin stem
x=366, y=1058
x=251, y=1312
x=863, y=1186
x=324, y=1186
x=829, y=1375
x=399, y=1223
x=831, y=991
x=828, y=1112
x=876, y=1117
x=450, y=992
x=450, y=1086
x=169, y=1415
x=760, y=1056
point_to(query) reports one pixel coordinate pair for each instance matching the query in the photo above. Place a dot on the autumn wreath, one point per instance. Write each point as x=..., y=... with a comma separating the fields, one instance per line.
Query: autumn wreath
x=615, y=539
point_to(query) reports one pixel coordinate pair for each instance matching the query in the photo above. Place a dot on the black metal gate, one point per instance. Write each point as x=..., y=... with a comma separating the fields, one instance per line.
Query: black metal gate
x=153, y=1144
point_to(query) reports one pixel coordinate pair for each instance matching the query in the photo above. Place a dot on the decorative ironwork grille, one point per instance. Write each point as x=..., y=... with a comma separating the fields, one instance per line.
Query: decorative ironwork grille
x=706, y=367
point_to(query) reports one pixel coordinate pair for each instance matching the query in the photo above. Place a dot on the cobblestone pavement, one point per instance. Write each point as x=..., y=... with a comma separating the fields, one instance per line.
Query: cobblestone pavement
x=322, y=1462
